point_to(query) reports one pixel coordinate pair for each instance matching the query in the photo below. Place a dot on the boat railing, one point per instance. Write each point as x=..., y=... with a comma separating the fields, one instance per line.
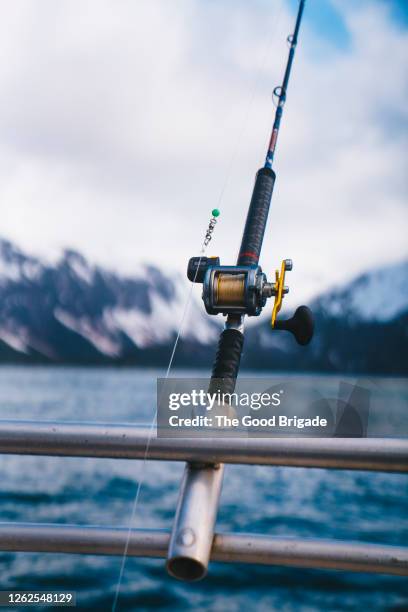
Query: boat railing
x=125, y=441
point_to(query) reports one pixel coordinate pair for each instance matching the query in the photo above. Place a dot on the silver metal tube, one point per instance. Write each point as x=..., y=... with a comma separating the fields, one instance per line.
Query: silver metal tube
x=313, y=553
x=227, y=548
x=129, y=442
x=82, y=539
x=193, y=528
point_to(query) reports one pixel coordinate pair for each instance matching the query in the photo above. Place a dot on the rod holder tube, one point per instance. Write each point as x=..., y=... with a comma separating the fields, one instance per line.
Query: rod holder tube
x=193, y=528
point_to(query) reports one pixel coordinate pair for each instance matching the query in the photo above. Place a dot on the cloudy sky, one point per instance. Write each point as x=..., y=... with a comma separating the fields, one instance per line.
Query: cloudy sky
x=123, y=123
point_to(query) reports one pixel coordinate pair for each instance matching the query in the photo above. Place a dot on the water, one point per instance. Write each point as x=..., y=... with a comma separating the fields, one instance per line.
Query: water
x=277, y=501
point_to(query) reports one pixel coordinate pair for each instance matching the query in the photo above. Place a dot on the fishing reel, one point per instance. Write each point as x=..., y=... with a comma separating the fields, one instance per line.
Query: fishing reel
x=244, y=290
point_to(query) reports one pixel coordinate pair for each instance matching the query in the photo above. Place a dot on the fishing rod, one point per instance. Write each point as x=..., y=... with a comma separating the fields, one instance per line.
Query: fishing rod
x=235, y=292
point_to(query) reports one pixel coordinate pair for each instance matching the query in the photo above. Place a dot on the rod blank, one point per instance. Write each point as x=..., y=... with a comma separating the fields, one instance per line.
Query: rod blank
x=130, y=442
x=228, y=548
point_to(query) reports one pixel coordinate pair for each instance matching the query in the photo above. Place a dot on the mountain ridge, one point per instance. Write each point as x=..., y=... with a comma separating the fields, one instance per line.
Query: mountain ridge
x=74, y=312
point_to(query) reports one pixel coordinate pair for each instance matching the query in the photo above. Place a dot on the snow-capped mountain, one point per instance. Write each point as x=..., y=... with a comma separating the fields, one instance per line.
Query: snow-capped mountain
x=379, y=295
x=75, y=312
x=359, y=327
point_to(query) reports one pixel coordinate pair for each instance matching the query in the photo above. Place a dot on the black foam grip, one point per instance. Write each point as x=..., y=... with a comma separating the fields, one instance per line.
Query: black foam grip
x=257, y=217
x=227, y=360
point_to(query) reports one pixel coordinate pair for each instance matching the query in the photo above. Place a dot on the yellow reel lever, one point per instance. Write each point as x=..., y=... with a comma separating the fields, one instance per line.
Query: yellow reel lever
x=280, y=289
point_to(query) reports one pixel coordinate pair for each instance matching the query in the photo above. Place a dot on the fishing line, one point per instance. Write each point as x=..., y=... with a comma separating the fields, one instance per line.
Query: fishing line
x=256, y=81
x=187, y=304
x=206, y=242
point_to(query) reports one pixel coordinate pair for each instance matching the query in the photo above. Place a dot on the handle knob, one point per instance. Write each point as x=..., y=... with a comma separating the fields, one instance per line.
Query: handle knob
x=301, y=325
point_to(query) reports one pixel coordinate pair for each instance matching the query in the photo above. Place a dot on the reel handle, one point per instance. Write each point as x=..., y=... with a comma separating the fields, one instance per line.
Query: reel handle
x=301, y=325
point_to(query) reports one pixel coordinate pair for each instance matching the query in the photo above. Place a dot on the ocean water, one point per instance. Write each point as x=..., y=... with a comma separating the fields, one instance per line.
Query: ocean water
x=368, y=507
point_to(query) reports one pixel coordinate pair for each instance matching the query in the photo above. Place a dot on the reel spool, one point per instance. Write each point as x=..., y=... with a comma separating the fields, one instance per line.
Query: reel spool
x=234, y=290
x=230, y=289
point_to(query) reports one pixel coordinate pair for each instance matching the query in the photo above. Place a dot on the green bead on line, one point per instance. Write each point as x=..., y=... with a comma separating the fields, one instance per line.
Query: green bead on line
x=215, y=212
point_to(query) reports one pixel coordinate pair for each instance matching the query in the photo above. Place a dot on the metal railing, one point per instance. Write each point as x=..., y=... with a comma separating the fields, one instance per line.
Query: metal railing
x=239, y=548
x=126, y=441
x=130, y=442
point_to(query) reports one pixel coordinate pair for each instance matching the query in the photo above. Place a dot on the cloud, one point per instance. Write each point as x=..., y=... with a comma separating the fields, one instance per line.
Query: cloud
x=122, y=123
